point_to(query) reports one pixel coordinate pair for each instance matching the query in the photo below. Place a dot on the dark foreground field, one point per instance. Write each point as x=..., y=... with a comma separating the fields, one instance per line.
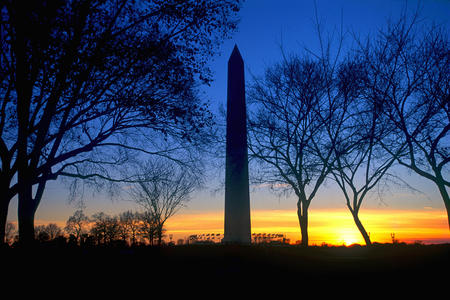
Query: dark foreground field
x=216, y=266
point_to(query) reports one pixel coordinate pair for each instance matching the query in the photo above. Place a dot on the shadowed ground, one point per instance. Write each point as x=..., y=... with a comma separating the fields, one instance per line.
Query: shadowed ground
x=380, y=267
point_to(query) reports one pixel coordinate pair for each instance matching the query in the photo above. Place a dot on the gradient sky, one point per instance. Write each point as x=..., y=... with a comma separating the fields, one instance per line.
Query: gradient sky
x=264, y=26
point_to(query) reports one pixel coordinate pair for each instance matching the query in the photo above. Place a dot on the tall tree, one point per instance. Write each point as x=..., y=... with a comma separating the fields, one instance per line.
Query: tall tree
x=130, y=224
x=360, y=161
x=49, y=232
x=408, y=70
x=162, y=192
x=293, y=127
x=77, y=224
x=105, y=228
x=83, y=82
x=148, y=226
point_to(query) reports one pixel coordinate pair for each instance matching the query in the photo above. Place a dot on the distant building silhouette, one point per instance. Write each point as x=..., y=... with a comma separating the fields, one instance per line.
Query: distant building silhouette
x=237, y=195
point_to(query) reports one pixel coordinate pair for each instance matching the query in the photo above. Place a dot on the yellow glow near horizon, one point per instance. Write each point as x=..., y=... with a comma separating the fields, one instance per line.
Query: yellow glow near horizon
x=328, y=226
x=335, y=227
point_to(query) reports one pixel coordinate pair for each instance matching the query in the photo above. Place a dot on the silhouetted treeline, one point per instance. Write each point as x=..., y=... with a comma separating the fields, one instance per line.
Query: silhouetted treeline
x=127, y=228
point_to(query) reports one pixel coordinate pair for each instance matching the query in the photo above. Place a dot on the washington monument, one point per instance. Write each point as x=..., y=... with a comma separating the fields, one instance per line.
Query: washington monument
x=237, y=195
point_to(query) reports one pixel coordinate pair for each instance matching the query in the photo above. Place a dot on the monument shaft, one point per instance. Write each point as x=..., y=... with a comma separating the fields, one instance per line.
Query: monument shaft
x=237, y=195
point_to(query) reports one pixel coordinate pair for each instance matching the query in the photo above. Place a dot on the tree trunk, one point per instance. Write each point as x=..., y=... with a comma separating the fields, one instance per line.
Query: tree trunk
x=159, y=238
x=27, y=208
x=26, y=212
x=160, y=233
x=361, y=228
x=302, y=212
x=444, y=193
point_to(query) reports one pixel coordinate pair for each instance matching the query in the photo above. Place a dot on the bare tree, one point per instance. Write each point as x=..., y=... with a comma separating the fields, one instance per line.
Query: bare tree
x=360, y=160
x=293, y=128
x=53, y=231
x=77, y=224
x=105, y=228
x=83, y=83
x=49, y=232
x=299, y=116
x=163, y=191
x=130, y=224
x=41, y=234
x=45, y=233
x=148, y=226
x=408, y=72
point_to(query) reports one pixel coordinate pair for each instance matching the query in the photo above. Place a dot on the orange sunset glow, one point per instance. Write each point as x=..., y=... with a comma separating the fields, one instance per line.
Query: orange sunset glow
x=335, y=227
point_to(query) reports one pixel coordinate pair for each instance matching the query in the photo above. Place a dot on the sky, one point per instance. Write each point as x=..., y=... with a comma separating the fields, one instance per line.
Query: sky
x=265, y=26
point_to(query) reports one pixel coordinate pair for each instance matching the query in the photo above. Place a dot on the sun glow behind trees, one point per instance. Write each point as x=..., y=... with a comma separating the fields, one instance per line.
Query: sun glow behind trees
x=335, y=227
x=328, y=226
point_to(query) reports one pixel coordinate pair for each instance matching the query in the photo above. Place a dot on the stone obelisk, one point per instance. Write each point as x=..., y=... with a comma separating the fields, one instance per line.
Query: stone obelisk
x=237, y=195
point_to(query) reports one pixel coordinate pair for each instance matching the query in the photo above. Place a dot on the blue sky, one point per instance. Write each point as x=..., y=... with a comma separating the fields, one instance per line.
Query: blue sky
x=267, y=24
x=264, y=26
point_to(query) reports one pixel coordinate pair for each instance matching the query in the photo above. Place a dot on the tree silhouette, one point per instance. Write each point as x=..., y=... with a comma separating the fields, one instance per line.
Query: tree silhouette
x=129, y=225
x=300, y=114
x=45, y=233
x=360, y=161
x=84, y=82
x=76, y=224
x=105, y=229
x=290, y=132
x=163, y=190
x=407, y=66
